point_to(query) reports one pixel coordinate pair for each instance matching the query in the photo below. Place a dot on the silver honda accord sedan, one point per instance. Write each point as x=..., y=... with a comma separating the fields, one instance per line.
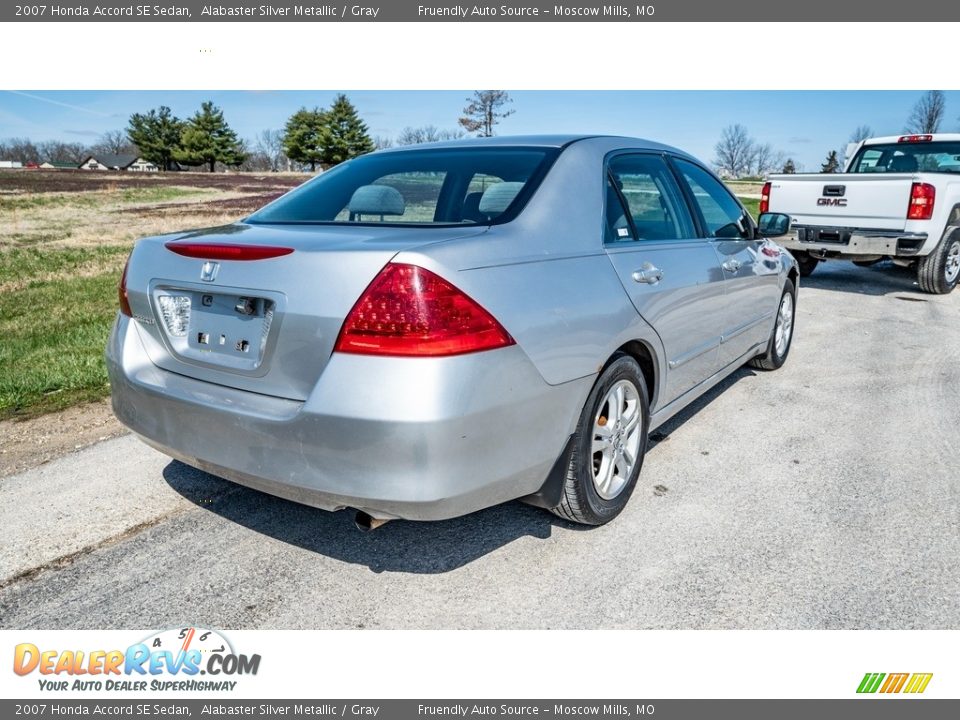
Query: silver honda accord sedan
x=423, y=332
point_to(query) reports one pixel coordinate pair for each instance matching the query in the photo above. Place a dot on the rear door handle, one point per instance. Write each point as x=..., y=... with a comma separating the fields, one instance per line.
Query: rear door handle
x=649, y=274
x=731, y=265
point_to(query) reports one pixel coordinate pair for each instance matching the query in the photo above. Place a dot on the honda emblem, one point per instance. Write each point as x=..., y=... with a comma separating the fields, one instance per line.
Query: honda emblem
x=208, y=273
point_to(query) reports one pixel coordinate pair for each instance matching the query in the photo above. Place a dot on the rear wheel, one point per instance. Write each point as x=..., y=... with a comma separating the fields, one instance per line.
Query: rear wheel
x=608, y=448
x=806, y=263
x=779, y=346
x=938, y=272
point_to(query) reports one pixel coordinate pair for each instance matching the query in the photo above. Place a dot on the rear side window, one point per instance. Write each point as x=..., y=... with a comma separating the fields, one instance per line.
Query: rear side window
x=471, y=186
x=722, y=215
x=654, y=206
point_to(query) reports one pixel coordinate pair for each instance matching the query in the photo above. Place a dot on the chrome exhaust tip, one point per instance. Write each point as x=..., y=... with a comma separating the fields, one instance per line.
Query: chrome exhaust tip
x=366, y=523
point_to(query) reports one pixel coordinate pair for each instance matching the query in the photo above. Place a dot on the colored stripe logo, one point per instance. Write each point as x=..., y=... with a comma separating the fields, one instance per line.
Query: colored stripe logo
x=914, y=683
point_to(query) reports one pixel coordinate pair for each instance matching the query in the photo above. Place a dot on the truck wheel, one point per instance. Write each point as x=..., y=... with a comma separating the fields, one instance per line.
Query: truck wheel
x=779, y=346
x=806, y=263
x=608, y=447
x=938, y=272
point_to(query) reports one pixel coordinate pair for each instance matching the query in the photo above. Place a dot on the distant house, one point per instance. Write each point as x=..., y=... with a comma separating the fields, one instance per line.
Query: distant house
x=57, y=165
x=130, y=163
x=10, y=164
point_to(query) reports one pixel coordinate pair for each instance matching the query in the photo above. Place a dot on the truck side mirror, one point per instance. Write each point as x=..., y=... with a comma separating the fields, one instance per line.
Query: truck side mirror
x=773, y=224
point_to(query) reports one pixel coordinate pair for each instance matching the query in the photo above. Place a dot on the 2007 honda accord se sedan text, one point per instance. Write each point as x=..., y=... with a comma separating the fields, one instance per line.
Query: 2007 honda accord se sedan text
x=423, y=332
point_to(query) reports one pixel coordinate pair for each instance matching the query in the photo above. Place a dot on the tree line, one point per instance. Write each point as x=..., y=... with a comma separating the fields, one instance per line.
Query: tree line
x=311, y=138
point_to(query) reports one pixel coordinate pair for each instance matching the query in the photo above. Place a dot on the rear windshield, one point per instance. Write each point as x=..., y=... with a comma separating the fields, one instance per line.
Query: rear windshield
x=466, y=186
x=943, y=157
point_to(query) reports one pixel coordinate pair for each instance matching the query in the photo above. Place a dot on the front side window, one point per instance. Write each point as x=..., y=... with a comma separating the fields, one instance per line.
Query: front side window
x=654, y=207
x=722, y=215
x=470, y=186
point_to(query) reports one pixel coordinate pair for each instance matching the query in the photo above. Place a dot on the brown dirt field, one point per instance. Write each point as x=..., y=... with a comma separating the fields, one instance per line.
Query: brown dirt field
x=28, y=443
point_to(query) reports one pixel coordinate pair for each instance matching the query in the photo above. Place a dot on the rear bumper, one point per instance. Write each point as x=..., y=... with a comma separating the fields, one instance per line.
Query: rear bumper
x=856, y=242
x=422, y=439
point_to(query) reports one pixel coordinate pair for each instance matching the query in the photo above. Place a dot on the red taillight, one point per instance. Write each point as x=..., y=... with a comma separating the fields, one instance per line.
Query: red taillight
x=914, y=138
x=922, y=197
x=226, y=251
x=122, y=292
x=765, y=198
x=410, y=311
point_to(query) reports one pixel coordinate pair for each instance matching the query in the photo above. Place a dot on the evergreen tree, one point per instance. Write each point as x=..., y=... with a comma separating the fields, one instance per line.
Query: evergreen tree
x=789, y=167
x=207, y=139
x=832, y=163
x=157, y=135
x=347, y=134
x=305, y=137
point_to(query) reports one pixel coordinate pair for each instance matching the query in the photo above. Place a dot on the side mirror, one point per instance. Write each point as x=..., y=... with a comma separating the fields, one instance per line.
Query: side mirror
x=773, y=224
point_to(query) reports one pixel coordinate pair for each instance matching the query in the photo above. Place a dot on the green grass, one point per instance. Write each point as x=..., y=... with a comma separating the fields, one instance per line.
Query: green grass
x=752, y=205
x=30, y=262
x=52, y=336
x=127, y=195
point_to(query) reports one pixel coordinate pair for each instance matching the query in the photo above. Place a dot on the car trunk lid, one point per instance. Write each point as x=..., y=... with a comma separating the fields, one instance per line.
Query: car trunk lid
x=258, y=307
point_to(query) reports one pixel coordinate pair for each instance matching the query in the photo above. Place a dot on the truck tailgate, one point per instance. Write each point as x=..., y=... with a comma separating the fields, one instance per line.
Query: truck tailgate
x=876, y=202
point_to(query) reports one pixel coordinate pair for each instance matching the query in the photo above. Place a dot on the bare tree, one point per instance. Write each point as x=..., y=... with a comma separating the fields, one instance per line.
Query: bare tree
x=56, y=151
x=861, y=132
x=113, y=142
x=382, y=142
x=425, y=134
x=735, y=151
x=927, y=113
x=21, y=149
x=485, y=110
x=766, y=159
x=269, y=148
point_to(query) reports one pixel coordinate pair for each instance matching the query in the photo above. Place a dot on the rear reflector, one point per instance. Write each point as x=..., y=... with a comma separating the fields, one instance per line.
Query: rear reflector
x=410, y=311
x=915, y=138
x=765, y=198
x=922, y=197
x=122, y=292
x=226, y=251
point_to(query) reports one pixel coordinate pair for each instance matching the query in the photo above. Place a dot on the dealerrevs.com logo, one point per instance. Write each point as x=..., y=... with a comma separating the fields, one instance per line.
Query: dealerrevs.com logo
x=168, y=660
x=910, y=683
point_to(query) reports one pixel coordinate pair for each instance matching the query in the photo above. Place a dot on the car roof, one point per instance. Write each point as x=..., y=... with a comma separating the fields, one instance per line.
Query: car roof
x=552, y=141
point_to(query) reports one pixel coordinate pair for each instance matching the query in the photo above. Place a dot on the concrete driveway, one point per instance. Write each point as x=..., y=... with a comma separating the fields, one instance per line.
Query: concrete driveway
x=823, y=495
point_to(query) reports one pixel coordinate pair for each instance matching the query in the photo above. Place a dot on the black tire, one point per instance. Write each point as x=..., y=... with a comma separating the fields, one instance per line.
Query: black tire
x=806, y=263
x=582, y=501
x=773, y=359
x=937, y=272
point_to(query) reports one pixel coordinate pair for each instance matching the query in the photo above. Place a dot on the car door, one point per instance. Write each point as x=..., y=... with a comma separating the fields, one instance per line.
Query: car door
x=672, y=276
x=750, y=277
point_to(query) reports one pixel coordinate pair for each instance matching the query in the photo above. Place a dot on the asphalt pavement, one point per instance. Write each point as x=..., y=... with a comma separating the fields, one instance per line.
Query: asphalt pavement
x=823, y=495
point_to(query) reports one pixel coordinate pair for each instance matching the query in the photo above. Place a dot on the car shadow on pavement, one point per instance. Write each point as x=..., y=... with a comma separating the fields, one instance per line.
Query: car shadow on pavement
x=884, y=278
x=399, y=546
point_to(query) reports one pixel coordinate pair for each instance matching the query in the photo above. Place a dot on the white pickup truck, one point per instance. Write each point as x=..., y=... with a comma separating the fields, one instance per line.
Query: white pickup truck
x=898, y=198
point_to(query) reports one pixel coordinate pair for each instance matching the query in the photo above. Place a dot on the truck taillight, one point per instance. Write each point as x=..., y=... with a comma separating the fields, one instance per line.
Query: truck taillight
x=765, y=198
x=922, y=197
x=410, y=311
x=122, y=292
